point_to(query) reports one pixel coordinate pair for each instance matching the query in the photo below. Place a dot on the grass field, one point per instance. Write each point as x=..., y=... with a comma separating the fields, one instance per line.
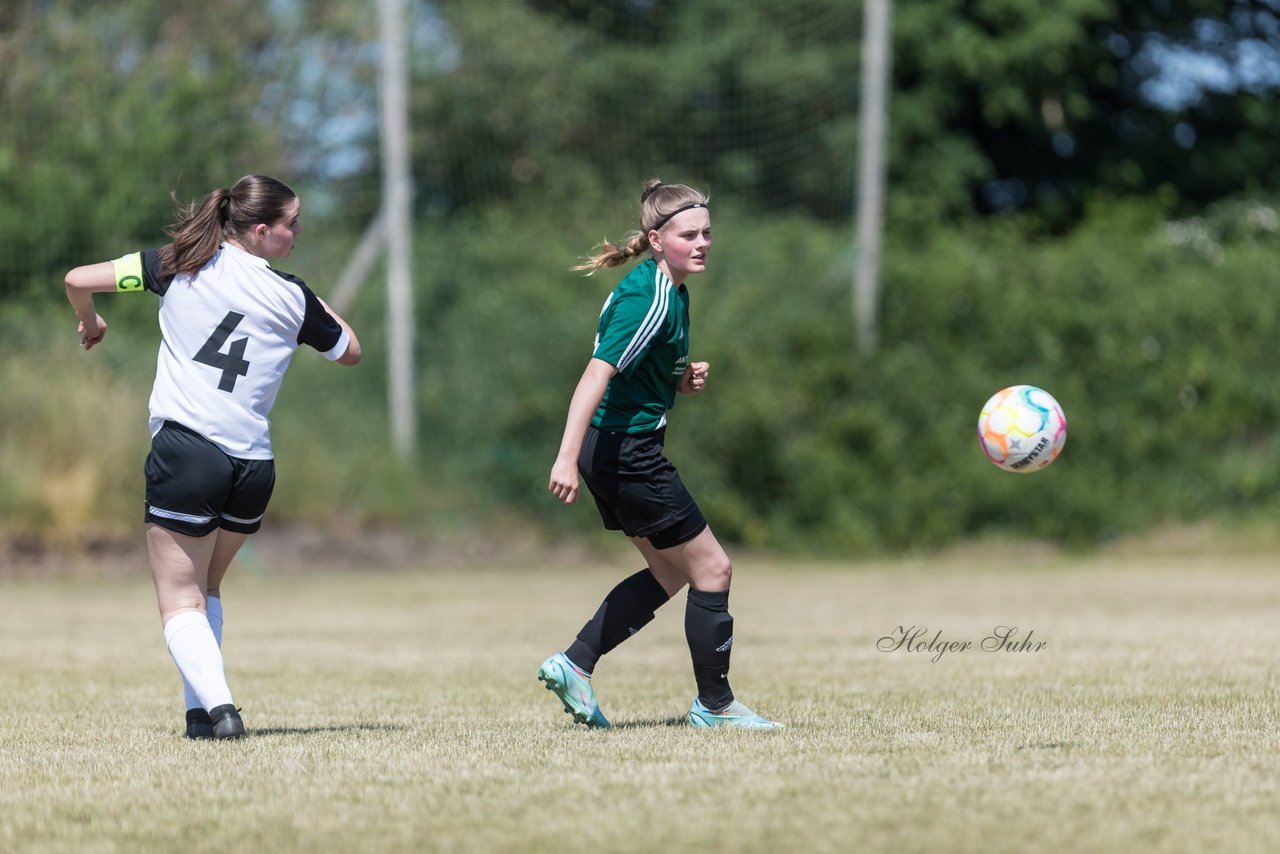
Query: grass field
x=399, y=712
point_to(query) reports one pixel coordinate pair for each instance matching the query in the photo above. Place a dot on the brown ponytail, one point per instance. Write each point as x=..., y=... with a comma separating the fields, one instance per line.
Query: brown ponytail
x=658, y=203
x=202, y=226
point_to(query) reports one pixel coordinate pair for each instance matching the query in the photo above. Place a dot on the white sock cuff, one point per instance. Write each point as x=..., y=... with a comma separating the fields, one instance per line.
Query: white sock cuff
x=184, y=620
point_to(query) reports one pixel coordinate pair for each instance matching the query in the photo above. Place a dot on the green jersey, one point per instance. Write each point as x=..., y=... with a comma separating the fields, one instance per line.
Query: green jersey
x=644, y=333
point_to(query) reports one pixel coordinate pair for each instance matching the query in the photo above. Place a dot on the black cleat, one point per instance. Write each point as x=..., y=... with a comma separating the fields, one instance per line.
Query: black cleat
x=226, y=722
x=199, y=724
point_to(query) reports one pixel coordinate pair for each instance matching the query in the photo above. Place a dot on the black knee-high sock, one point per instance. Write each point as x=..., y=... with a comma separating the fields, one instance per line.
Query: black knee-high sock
x=626, y=610
x=708, y=627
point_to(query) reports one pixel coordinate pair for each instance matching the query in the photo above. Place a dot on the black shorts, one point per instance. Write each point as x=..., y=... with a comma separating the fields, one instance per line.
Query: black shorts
x=637, y=490
x=194, y=488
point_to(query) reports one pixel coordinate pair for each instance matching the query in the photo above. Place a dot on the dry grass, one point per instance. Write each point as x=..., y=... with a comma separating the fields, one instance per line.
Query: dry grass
x=398, y=712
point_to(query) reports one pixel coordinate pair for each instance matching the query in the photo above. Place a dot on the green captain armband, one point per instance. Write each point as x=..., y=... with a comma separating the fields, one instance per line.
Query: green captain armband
x=128, y=272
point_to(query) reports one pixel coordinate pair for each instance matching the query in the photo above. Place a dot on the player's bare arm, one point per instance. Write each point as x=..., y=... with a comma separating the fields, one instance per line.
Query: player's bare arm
x=82, y=283
x=586, y=397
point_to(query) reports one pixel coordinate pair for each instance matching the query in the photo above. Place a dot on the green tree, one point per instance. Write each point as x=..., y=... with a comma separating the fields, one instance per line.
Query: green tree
x=997, y=104
x=107, y=106
x=1019, y=104
x=755, y=99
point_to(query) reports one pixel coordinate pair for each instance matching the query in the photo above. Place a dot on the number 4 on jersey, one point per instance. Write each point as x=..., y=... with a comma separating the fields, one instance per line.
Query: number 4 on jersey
x=232, y=362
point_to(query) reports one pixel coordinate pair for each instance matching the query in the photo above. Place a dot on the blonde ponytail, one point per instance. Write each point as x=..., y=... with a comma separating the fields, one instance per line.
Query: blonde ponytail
x=659, y=202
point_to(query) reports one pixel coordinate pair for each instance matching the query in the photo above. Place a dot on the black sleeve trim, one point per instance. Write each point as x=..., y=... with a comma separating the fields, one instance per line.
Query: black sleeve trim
x=319, y=329
x=151, y=278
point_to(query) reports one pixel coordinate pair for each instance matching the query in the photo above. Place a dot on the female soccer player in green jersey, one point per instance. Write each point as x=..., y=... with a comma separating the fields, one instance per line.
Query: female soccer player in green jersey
x=614, y=436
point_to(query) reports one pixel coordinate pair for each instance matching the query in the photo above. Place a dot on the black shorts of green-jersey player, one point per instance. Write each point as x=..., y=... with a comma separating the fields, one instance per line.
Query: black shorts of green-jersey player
x=636, y=489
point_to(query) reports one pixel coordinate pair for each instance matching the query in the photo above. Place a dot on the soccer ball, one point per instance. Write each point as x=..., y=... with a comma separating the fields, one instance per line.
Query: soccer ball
x=1022, y=429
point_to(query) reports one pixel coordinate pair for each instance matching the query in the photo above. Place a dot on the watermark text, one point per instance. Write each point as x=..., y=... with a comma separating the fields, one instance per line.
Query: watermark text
x=919, y=639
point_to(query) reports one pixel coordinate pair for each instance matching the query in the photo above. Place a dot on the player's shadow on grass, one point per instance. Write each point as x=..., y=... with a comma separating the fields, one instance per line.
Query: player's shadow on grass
x=331, y=728
x=651, y=723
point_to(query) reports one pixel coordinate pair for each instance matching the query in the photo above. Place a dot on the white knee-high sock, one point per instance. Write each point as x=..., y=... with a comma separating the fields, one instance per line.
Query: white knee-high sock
x=195, y=650
x=215, y=623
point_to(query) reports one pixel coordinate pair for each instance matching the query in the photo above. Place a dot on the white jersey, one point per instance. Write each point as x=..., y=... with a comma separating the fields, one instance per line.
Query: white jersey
x=229, y=333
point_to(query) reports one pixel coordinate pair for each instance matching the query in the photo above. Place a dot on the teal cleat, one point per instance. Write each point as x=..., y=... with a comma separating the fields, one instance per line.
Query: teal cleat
x=573, y=687
x=733, y=715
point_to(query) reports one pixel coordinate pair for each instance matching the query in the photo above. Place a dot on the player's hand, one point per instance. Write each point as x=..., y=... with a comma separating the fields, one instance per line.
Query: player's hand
x=695, y=378
x=564, y=481
x=91, y=336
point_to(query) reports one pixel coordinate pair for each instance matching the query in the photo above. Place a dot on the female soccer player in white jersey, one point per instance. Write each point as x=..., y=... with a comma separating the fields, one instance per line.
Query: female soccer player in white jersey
x=614, y=436
x=229, y=325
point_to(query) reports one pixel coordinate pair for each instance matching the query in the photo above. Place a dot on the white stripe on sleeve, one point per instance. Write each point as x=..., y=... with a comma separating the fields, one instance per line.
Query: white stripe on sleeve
x=652, y=321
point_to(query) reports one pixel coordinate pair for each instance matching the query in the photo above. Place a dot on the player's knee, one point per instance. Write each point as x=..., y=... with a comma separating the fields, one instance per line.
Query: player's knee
x=717, y=574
